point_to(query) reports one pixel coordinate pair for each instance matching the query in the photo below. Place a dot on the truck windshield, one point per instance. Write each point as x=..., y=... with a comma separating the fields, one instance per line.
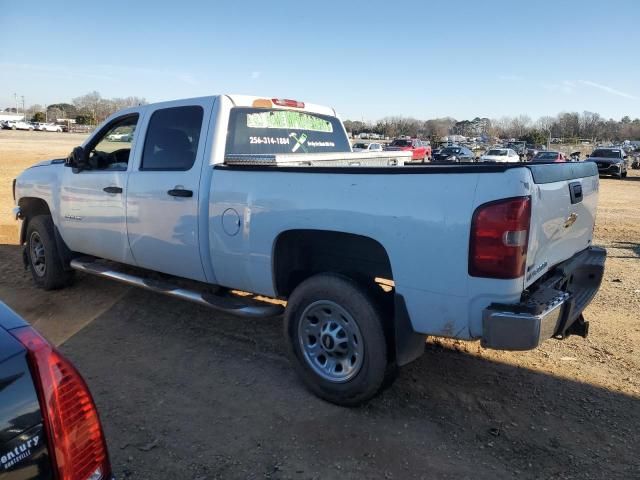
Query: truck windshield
x=257, y=131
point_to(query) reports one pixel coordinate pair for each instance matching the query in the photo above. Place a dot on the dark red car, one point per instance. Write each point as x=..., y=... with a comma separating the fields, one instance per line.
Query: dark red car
x=420, y=150
x=548, y=156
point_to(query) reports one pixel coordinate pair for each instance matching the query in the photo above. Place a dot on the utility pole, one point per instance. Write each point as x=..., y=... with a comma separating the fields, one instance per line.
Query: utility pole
x=15, y=97
x=24, y=112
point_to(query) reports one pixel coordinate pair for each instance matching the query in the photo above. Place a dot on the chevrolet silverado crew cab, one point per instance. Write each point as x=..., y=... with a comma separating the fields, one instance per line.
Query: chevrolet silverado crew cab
x=234, y=193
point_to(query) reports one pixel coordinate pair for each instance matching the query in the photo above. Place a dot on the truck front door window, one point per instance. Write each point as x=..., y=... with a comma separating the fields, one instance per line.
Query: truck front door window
x=111, y=150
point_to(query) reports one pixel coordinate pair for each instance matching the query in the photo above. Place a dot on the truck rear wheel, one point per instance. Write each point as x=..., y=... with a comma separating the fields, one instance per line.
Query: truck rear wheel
x=42, y=255
x=335, y=335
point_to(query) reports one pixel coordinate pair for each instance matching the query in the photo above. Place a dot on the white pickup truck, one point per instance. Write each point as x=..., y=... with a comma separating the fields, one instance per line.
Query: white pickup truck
x=264, y=196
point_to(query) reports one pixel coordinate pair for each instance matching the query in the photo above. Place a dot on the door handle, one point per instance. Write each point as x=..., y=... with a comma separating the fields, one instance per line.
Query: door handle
x=180, y=192
x=112, y=189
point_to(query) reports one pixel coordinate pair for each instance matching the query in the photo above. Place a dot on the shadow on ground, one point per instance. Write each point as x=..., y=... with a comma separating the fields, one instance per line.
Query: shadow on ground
x=187, y=393
x=57, y=314
x=630, y=249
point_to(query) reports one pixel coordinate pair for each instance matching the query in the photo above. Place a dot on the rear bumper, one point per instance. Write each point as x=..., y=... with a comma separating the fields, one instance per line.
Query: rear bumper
x=550, y=307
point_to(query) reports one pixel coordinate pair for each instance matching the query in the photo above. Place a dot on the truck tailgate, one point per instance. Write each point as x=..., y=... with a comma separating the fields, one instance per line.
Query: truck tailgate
x=562, y=216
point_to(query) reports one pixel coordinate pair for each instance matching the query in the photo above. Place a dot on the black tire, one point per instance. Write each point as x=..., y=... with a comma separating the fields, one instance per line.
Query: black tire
x=44, y=261
x=374, y=370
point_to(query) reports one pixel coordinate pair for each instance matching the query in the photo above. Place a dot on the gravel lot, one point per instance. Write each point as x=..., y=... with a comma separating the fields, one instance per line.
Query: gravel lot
x=187, y=393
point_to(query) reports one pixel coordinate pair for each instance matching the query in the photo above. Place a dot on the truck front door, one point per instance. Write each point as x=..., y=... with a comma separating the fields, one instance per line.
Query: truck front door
x=163, y=189
x=92, y=200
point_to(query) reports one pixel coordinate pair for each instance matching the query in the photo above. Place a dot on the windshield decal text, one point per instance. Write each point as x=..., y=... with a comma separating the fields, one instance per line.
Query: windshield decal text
x=286, y=119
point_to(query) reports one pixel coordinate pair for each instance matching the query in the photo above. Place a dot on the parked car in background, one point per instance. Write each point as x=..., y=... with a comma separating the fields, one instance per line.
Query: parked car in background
x=549, y=156
x=51, y=127
x=502, y=155
x=454, y=154
x=610, y=161
x=420, y=150
x=47, y=127
x=367, y=147
x=49, y=425
x=17, y=125
x=531, y=152
x=124, y=134
x=427, y=145
x=519, y=147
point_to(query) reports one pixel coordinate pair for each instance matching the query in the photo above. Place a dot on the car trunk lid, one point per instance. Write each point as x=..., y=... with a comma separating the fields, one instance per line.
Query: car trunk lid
x=23, y=445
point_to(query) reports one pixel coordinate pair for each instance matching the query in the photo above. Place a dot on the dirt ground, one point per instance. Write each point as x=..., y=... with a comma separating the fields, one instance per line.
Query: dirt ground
x=188, y=393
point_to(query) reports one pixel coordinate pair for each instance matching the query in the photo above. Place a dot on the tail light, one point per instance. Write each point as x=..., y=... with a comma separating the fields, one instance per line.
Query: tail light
x=70, y=416
x=499, y=237
x=285, y=102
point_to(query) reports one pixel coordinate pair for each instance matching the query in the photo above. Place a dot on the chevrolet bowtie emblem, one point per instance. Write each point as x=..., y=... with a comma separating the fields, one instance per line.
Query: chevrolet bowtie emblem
x=571, y=219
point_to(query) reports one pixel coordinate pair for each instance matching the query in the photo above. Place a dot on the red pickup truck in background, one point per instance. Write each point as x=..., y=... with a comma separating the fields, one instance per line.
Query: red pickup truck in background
x=420, y=149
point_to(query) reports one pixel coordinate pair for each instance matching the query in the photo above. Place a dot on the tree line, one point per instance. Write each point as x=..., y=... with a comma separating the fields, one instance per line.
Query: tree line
x=89, y=109
x=567, y=126
x=92, y=108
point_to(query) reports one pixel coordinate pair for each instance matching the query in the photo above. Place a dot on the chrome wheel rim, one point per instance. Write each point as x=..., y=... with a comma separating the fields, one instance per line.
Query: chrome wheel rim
x=331, y=341
x=36, y=252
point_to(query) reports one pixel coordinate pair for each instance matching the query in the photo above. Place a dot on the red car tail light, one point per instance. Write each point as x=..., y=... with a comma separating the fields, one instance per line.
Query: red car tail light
x=70, y=416
x=499, y=238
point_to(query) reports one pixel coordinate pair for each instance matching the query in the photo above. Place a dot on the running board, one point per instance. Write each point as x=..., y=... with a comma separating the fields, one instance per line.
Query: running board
x=233, y=306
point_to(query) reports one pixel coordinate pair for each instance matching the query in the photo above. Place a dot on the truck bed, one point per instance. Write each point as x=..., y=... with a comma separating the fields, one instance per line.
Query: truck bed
x=420, y=214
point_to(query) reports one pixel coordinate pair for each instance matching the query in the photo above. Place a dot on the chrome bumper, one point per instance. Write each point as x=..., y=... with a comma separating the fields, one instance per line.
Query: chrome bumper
x=549, y=308
x=522, y=331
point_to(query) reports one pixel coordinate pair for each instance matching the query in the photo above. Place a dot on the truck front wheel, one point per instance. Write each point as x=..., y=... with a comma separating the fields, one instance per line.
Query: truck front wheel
x=336, y=339
x=42, y=255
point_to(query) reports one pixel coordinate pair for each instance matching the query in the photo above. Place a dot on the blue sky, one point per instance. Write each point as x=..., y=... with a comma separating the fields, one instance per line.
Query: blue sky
x=366, y=59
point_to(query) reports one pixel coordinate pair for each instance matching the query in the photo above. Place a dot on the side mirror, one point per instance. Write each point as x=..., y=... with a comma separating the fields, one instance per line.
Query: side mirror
x=587, y=155
x=77, y=159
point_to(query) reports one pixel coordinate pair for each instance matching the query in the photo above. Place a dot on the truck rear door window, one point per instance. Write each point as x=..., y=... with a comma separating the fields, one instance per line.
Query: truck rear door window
x=254, y=131
x=172, y=138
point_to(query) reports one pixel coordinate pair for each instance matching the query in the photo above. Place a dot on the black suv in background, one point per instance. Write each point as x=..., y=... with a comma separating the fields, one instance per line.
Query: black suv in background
x=49, y=426
x=610, y=161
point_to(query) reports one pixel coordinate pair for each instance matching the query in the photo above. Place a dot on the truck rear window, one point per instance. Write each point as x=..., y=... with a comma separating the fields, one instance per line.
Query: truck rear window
x=255, y=131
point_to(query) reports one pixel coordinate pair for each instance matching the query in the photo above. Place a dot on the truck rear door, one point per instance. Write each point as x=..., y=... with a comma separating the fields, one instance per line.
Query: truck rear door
x=163, y=188
x=562, y=216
